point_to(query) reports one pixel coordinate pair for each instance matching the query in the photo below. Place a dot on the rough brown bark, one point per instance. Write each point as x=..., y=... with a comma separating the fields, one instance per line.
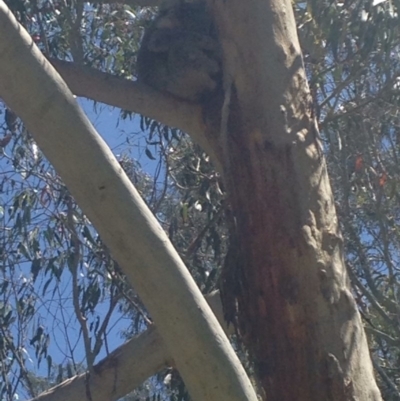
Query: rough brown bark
x=296, y=311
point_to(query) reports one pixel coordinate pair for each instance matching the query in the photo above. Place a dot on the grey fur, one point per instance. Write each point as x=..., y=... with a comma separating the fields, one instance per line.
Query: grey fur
x=180, y=53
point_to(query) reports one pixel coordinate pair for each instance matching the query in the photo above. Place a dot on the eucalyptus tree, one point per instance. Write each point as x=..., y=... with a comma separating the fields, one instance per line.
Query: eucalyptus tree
x=285, y=273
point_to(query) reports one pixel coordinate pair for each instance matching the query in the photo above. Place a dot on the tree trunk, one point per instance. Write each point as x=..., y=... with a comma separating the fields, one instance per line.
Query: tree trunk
x=296, y=311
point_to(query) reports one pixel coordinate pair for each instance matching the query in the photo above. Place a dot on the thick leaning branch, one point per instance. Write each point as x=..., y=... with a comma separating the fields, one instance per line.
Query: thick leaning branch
x=126, y=367
x=37, y=94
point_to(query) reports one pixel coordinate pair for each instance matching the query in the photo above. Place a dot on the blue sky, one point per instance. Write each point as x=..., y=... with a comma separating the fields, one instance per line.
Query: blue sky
x=52, y=313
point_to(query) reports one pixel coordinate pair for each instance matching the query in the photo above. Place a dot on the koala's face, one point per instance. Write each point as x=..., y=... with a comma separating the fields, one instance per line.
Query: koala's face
x=180, y=54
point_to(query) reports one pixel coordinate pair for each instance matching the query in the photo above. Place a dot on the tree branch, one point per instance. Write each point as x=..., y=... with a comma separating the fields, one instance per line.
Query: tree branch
x=126, y=367
x=129, y=95
x=115, y=376
x=37, y=94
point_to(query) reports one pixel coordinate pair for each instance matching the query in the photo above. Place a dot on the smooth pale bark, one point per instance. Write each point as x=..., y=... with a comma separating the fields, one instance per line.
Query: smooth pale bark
x=121, y=372
x=34, y=90
x=296, y=309
x=126, y=367
x=130, y=95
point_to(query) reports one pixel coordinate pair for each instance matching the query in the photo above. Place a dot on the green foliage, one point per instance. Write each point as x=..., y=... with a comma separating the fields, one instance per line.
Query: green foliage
x=54, y=268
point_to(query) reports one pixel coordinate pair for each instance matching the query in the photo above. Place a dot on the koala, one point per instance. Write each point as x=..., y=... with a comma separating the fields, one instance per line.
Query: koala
x=179, y=53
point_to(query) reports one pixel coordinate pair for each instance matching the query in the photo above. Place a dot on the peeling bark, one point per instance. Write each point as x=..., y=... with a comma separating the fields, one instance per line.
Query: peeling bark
x=296, y=312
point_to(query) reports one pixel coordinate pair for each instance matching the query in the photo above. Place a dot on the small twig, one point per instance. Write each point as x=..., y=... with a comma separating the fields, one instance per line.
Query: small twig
x=24, y=376
x=386, y=379
x=371, y=298
x=100, y=334
x=75, y=287
x=388, y=339
x=74, y=36
x=43, y=36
